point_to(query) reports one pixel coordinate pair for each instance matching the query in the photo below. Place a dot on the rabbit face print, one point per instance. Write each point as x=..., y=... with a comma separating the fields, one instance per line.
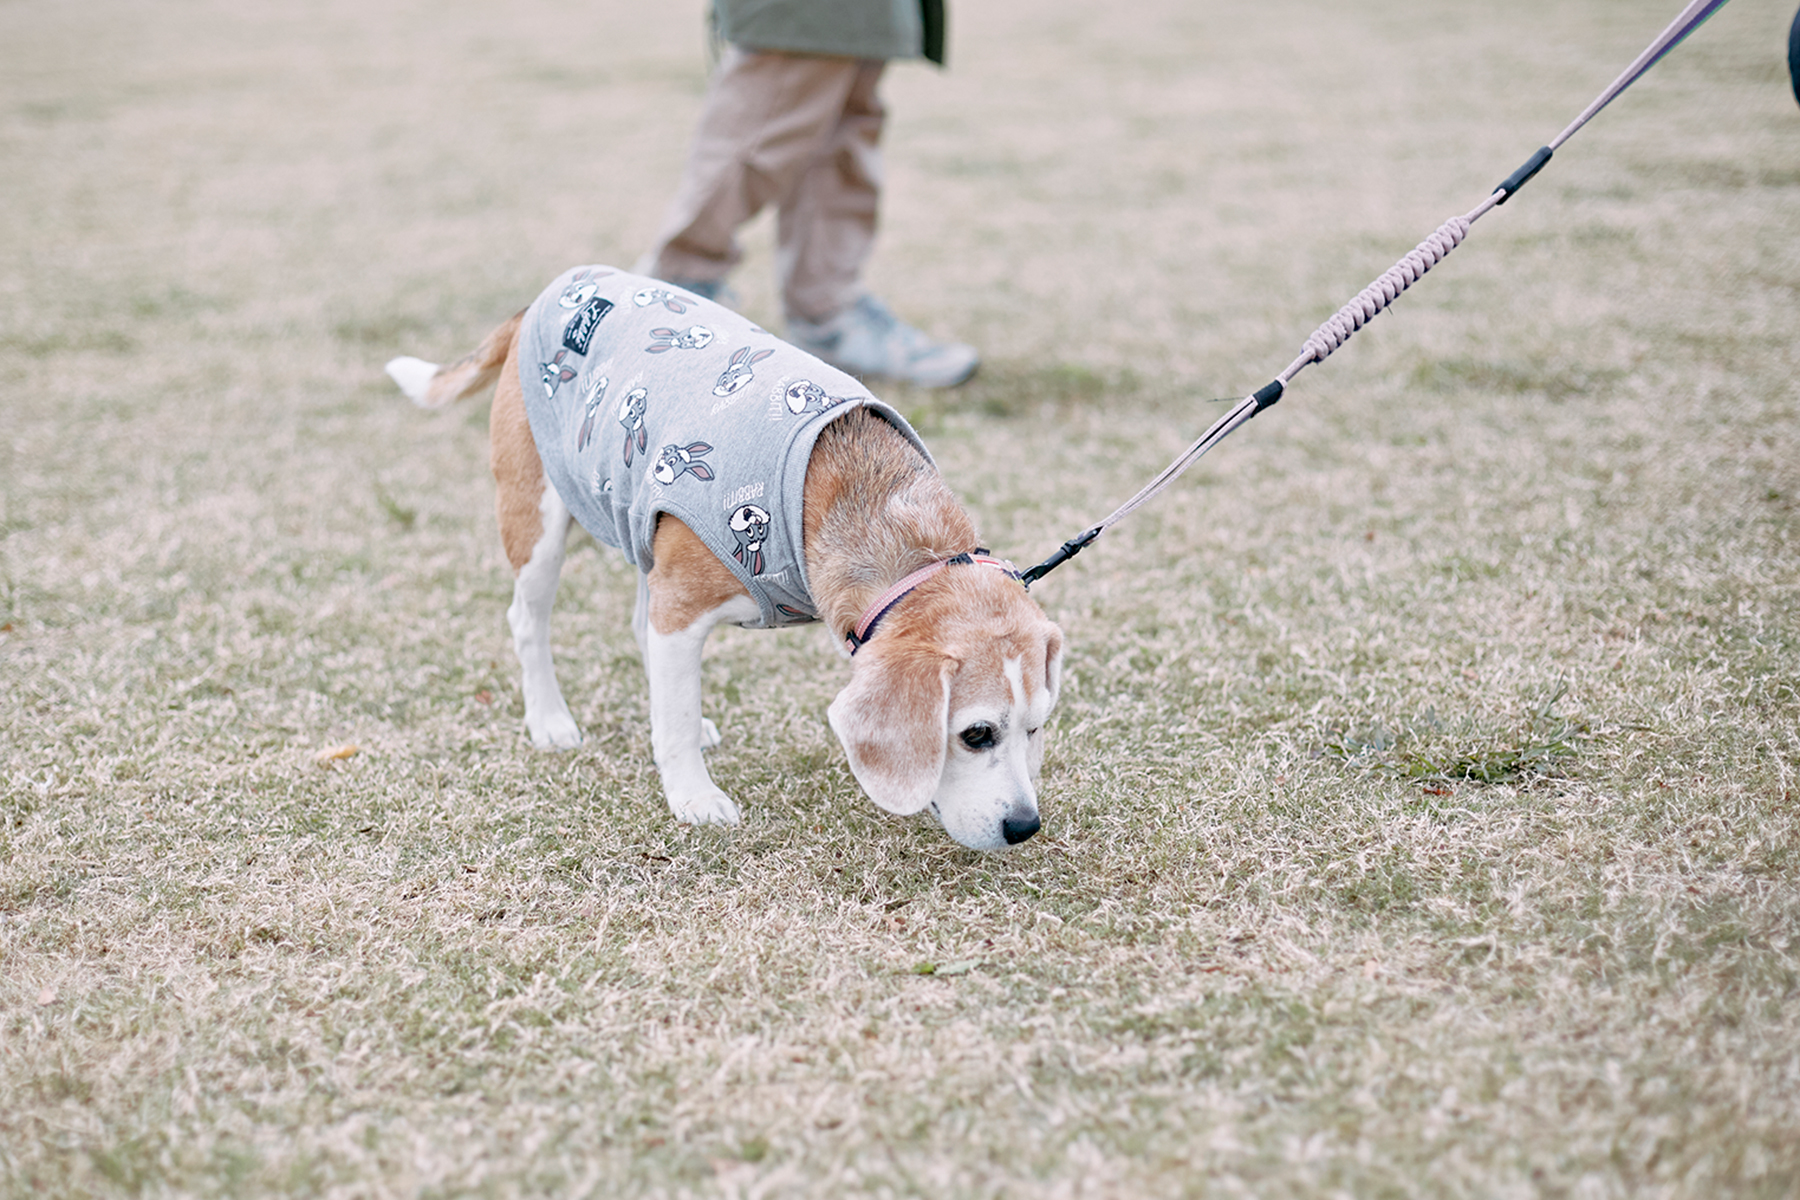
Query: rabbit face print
x=804, y=396
x=750, y=527
x=631, y=415
x=738, y=372
x=675, y=461
x=578, y=293
x=694, y=337
x=555, y=373
x=645, y=297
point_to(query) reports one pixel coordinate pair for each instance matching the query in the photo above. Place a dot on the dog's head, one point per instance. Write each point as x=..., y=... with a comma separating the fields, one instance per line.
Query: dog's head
x=946, y=708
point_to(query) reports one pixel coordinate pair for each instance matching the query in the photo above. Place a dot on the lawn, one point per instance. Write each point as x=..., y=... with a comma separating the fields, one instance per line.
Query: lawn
x=1420, y=813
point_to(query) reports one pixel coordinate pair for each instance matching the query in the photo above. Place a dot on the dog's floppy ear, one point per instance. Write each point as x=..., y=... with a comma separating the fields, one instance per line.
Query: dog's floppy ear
x=894, y=721
x=1053, y=657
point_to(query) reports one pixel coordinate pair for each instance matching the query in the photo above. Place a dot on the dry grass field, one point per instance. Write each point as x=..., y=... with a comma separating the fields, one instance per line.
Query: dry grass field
x=1420, y=816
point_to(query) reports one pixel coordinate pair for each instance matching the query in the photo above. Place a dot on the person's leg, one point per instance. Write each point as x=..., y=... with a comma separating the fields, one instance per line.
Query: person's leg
x=825, y=226
x=769, y=120
x=766, y=120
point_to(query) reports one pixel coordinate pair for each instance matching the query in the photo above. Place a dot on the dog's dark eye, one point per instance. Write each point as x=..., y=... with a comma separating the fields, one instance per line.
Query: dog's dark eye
x=981, y=736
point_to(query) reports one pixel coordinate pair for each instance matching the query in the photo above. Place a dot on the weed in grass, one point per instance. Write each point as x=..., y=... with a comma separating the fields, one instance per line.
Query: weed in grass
x=1539, y=748
x=400, y=514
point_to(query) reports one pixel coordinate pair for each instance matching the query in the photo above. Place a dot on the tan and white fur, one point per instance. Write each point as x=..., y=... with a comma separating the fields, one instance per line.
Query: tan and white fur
x=946, y=704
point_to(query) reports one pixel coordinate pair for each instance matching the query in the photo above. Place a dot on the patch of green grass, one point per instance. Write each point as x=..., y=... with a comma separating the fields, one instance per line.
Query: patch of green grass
x=1513, y=378
x=112, y=342
x=1006, y=389
x=384, y=330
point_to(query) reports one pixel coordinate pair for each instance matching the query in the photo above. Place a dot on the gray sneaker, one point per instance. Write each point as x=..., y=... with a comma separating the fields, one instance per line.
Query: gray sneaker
x=868, y=339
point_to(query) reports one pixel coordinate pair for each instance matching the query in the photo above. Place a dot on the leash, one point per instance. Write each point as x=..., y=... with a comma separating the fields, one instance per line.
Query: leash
x=1383, y=292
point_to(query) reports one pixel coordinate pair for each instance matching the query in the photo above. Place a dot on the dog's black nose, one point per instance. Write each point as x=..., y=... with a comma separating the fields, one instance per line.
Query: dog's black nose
x=1017, y=827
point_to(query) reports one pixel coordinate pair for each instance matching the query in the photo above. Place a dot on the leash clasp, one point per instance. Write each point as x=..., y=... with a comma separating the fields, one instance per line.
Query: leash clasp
x=1064, y=553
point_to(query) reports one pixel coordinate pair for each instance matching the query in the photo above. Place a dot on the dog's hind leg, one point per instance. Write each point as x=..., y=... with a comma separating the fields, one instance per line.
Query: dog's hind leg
x=547, y=716
x=534, y=525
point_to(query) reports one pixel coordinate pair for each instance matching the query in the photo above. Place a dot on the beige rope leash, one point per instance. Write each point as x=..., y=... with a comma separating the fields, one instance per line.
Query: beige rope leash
x=1383, y=292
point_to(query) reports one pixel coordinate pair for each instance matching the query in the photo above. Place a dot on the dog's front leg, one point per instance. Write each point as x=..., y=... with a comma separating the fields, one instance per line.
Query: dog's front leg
x=640, y=629
x=678, y=735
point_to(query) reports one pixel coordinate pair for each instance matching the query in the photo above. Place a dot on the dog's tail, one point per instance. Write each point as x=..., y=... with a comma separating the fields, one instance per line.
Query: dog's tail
x=431, y=386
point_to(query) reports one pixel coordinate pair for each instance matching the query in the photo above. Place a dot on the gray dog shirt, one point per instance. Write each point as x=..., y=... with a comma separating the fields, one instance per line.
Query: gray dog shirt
x=644, y=400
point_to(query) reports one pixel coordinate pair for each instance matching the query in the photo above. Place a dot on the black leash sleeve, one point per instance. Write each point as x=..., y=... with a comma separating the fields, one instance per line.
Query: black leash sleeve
x=1522, y=176
x=1064, y=553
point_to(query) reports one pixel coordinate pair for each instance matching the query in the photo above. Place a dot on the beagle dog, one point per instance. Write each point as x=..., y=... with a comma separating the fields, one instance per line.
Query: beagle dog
x=783, y=492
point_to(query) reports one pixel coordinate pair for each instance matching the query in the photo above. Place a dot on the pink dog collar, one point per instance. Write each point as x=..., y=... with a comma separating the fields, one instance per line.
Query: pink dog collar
x=884, y=603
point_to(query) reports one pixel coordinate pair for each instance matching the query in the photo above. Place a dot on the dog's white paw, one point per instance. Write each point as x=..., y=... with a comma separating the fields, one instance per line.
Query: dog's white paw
x=709, y=807
x=558, y=731
x=709, y=734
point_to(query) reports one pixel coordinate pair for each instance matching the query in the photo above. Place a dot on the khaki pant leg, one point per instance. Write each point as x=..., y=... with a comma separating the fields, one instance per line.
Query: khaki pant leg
x=766, y=119
x=825, y=227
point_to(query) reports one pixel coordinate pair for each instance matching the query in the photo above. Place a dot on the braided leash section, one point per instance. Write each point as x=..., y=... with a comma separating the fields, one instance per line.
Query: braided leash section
x=1385, y=290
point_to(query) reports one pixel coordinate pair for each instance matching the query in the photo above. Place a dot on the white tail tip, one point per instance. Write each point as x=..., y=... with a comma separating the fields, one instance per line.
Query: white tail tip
x=414, y=376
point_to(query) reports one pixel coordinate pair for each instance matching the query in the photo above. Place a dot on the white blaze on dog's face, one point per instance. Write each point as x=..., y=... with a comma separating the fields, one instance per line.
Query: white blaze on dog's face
x=947, y=707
